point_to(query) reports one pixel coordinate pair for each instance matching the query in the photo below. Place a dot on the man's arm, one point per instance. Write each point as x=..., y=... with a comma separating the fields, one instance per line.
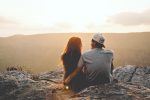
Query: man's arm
x=72, y=75
x=76, y=71
x=112, y=67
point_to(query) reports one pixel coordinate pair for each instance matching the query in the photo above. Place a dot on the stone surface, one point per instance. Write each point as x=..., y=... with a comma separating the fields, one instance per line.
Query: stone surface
x=55, y=76
x=117, y=91
x=18, y=85
x=6, y=87
x=124, y=73
x=134, y=74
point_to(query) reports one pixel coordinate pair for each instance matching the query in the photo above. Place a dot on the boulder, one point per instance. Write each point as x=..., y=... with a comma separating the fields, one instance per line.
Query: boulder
x=134, y=74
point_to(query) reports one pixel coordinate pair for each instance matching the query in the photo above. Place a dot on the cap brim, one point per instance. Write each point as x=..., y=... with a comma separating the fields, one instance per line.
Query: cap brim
x=103, y=45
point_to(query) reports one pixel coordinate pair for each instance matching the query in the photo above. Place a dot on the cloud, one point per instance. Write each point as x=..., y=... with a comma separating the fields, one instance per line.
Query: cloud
x=131, y=18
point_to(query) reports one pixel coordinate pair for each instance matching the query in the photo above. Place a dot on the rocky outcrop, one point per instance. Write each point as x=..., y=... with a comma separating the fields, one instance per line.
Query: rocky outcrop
x=133, y=74
x=116, y=91
x=55, y=76
x=19, y=85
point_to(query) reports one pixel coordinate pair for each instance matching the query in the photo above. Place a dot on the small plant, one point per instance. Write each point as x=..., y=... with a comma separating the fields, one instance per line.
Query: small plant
x=11, y=68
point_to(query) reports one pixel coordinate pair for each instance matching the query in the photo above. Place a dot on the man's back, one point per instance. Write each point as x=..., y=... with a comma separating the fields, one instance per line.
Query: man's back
x=97, y=65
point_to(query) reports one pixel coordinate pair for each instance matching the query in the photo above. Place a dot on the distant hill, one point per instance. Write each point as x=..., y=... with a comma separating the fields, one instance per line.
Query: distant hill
x=42, y=52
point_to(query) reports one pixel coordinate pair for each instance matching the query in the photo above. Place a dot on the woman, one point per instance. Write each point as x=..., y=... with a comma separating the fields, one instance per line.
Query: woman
x=70, y=58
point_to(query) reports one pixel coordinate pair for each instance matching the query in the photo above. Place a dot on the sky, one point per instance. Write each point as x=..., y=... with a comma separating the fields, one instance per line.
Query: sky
x=55, y=16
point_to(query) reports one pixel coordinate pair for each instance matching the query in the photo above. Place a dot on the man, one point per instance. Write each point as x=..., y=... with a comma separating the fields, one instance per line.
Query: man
x=97, y=63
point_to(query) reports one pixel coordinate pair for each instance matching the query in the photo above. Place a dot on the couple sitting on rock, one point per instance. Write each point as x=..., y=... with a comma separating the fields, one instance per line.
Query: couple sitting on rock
x=90, y=68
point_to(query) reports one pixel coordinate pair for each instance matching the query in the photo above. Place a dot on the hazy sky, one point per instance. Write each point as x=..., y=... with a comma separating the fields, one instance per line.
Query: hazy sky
x=48, y=16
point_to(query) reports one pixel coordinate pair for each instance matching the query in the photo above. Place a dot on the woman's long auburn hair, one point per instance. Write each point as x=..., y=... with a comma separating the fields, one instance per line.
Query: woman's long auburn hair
x=72, y=53
x=74, y=44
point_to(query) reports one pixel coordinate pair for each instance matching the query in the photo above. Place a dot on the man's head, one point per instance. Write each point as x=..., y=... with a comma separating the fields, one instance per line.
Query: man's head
x=98, y=41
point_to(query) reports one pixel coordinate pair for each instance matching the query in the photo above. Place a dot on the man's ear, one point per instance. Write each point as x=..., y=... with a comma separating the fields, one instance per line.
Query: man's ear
x=93, y=44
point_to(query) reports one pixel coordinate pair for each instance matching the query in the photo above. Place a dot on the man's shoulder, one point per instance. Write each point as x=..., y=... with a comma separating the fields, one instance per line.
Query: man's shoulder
x=87, y=52
x=104, y=51
x=107, y=51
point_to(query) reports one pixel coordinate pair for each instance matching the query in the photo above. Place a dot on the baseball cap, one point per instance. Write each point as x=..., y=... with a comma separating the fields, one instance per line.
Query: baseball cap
x=98, y=37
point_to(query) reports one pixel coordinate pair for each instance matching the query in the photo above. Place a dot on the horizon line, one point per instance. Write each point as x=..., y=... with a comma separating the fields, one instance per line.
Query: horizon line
x=45, y=33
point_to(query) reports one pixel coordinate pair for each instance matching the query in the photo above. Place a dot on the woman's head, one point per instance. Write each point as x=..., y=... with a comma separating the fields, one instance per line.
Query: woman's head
x=74, y=44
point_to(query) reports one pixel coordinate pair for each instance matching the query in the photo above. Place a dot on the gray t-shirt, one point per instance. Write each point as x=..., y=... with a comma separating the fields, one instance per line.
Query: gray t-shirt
x=97, y=65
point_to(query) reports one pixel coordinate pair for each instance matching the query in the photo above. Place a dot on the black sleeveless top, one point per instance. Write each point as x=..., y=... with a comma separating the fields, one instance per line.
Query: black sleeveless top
x=70, y=62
